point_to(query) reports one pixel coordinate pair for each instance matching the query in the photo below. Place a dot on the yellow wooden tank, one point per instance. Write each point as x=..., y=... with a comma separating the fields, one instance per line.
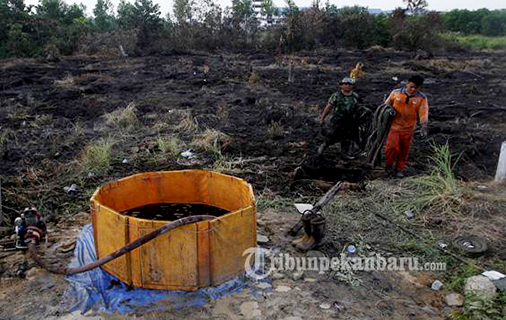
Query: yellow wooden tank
x=202, y=254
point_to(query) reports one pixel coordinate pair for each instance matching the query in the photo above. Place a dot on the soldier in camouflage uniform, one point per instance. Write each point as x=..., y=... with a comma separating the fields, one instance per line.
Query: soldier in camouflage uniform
x=344, y=124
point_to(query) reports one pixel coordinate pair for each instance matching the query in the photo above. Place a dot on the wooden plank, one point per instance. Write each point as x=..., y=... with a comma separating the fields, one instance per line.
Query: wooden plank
x=135, y=255
x=111, y=233
x=204, y=257
x=231, y=235
x=171, y=259
x=228, y=193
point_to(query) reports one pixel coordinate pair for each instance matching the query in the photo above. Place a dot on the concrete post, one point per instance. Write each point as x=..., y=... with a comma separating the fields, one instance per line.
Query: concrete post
x=290, y=72
x=500, y=174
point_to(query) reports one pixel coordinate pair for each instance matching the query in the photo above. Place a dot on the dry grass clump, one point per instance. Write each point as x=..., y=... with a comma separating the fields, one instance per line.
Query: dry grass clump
x=211, y=140
x=43, y=119
x=276, y=130
x=222, y=114
x=188, y=123
x=67, y=82
x=8, y=135
x=263, y=103
x=223, y=165
x=253, y=78
x=96, y=157
x=123, y=118
x=170, y=145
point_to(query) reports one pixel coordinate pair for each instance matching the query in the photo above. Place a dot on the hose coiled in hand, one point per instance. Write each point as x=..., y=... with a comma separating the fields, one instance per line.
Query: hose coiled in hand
x=382, y=120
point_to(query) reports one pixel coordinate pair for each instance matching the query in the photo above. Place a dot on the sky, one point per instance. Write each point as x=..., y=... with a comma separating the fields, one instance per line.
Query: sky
x=446, y=5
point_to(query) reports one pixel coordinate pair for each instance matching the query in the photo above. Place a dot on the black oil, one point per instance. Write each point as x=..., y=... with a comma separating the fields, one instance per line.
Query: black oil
x=173, y=211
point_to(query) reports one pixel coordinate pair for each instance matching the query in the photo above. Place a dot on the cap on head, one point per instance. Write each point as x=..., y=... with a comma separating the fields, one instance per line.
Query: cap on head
x=417, y=80
x=347, y=80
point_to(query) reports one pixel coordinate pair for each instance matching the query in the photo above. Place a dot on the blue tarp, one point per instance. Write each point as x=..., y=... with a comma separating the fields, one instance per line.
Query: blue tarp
x=101, y=292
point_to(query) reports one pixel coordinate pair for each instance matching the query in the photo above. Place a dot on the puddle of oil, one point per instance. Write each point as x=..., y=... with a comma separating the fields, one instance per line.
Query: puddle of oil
x=173, y=211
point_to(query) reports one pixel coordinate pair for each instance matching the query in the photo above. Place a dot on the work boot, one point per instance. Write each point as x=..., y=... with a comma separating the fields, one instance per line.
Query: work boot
x=308, y=232
x=319, y=225
x=306, y=245
x=399, y=174
x=306, y=225
x=347, y=156
x=322, y=148
x=302, y=239
x=347, y=150
x=390, y=170
x=318, y=234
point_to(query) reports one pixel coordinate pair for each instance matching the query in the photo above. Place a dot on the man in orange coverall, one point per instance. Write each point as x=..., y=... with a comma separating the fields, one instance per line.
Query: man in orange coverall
x=407, y=103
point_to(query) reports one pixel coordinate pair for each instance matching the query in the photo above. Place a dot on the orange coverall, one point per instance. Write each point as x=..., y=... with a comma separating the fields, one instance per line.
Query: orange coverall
x=403, y=125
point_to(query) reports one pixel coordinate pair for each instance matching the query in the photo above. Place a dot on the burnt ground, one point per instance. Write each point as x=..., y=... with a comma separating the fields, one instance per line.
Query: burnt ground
x=51, y=112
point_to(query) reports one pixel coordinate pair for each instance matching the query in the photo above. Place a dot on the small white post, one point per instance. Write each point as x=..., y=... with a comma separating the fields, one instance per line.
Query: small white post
x=1, y=212
x=123, y=53
x=290, y=72
x=500, y=174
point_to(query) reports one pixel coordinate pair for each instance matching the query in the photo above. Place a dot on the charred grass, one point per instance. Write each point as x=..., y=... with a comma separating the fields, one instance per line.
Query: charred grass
x=65, y=125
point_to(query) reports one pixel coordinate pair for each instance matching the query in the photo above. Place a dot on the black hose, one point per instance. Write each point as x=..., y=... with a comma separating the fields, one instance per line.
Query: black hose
x=383, y=117
x=32, y=247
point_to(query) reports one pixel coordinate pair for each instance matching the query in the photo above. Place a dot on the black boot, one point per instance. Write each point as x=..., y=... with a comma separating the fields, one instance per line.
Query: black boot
x=318, y=225
x=322, y=148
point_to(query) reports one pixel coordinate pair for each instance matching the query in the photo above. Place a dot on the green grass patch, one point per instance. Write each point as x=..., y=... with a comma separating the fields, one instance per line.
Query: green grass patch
x=96, y=157
x=476, y=42
x=438, y=192
x=456, y=279
x=476, y=308
x=170, y=145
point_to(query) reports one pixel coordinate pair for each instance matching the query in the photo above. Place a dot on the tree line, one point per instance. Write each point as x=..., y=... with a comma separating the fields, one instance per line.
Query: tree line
x=55, y=28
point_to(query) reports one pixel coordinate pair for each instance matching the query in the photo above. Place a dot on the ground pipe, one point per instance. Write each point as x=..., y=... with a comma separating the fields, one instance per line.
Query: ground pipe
x=32, y=247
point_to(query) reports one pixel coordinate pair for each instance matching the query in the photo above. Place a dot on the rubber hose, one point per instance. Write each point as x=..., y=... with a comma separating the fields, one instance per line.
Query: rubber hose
x=32, y=247
x=381, y=125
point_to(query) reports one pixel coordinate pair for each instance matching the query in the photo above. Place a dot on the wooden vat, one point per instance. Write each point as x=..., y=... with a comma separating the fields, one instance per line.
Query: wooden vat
x=187, y=258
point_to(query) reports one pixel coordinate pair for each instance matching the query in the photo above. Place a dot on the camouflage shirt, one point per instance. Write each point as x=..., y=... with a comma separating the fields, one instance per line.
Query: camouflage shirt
x=344, y=108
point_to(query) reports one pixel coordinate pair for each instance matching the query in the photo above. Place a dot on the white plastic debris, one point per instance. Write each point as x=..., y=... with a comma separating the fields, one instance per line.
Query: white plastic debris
x=262, y=239
x=493, y=275
x=441, y=244
x=436, y=285
x=351, y=249
x=325, y=306
x=296, y=276
x=188, y=154
x=395, y=78
x=482, y=188
x=263, y=285
x=282, y=289
x=301, y=207
x=409, y=214
x=125, y=161
x=71, y=189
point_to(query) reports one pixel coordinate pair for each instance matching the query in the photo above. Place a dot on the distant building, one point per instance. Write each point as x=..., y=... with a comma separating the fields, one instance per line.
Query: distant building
x=378, y=11
x=264, y=19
